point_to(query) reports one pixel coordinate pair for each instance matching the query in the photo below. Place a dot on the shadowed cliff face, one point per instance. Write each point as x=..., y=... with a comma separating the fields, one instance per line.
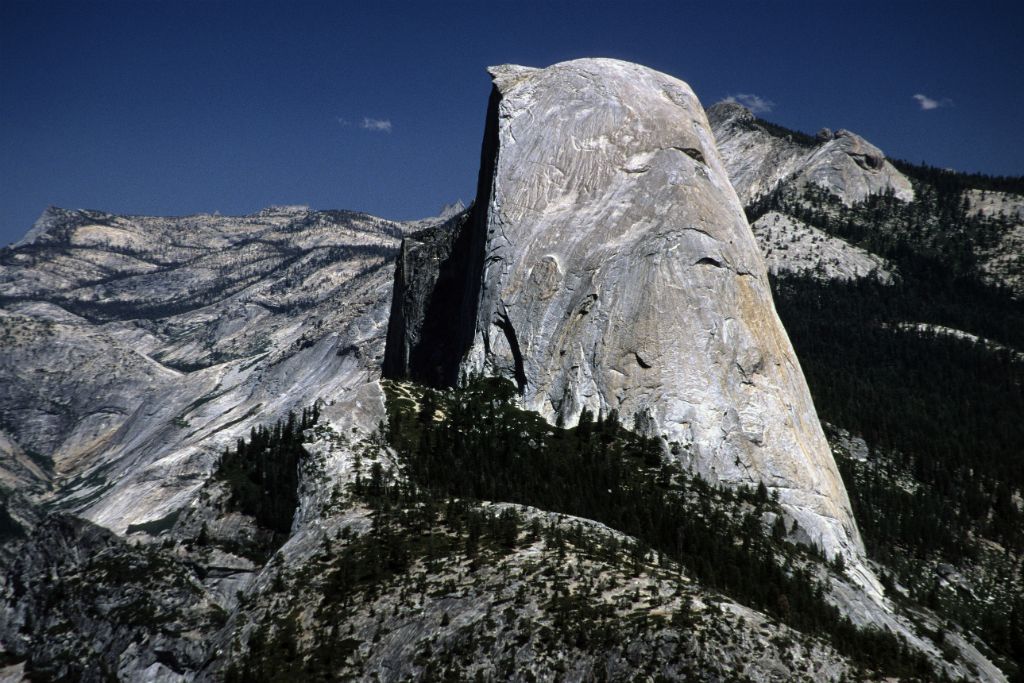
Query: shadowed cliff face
x=428, y=300
x=437, y=284
x=610, y=266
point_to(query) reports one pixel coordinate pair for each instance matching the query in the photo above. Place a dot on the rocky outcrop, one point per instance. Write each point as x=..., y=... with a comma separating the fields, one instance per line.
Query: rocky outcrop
x=447, y=212
x=619, y=273
x=759, y=158
x=1001, y=263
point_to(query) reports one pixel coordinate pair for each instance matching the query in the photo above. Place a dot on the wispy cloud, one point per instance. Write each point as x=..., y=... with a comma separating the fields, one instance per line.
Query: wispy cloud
x=755, y=103
x=368, y=123
x=379, y=125
x=927, y=103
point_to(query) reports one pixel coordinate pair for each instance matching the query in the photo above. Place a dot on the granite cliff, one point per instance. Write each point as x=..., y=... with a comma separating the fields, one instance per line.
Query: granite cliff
x=618, y=272
x=605, y=268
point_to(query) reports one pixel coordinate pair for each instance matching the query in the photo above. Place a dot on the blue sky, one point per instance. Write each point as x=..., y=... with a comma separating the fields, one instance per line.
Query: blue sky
x=181, y=107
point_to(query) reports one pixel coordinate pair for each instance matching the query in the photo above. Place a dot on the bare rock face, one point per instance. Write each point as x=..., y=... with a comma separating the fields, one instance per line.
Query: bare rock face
x=619, y=273
x=137, y=348
x=758, y=161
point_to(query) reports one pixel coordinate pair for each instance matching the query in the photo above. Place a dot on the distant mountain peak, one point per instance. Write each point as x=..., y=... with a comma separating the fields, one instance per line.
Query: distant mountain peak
x=728, y=111
x=51, y=217
x=760, y=156
x=449, y=210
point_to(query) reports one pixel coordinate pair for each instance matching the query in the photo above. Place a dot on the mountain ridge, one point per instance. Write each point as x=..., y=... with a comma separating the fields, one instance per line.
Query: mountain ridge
x=230, y=323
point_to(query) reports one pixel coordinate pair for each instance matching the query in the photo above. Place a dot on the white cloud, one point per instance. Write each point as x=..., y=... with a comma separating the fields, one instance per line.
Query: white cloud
x=379, y=125
x=368, y=123
x=928, y=103
x=755, y=103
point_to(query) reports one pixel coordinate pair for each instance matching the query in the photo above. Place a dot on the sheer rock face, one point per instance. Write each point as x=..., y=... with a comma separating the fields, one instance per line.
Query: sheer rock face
x=621, y=274
x=843, y=163
x=428, y=294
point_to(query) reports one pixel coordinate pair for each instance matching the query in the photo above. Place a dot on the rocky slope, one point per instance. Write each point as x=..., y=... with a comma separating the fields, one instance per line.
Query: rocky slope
x=560, y=232
x=765, y=162
x=791, y=246
x=137, y=349
x=1003, y=261
x=842, y=162
x=905, y=313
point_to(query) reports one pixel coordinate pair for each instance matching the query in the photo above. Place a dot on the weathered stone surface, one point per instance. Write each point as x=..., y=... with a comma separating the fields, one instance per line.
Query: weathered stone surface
x=620, y=273
x=758, y=161
x=87, y=604
x=136, y=348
